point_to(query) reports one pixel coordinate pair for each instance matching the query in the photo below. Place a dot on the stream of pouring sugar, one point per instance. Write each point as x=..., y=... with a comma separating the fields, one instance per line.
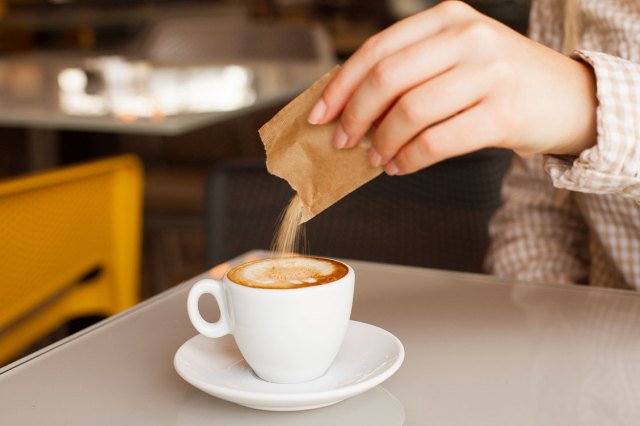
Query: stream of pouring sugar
x=290, y=237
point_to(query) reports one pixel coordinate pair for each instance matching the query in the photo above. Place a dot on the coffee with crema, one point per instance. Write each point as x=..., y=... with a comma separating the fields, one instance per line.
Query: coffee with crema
x=288, y=272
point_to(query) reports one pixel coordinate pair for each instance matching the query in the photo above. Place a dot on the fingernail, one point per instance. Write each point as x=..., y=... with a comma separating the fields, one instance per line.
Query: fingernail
x=317, y=112
x=374, y=158
x=341, y=138
x=391, y=168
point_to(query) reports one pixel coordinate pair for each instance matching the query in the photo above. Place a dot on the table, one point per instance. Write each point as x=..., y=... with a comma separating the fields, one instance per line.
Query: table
x=47, y=92
x=479, y=351
x=114, y=94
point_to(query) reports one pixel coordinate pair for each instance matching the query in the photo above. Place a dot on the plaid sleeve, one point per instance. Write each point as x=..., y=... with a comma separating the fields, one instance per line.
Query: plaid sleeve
x=538, y=234
x=613, y=164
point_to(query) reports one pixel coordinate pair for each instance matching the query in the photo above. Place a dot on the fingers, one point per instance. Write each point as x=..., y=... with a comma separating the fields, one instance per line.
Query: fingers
x=393, y=76
x=430, y=103
x=469, y=131
x=394, y=38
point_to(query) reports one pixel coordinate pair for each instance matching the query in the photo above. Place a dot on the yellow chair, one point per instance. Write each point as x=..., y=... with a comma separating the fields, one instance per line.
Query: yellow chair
x=69, y=247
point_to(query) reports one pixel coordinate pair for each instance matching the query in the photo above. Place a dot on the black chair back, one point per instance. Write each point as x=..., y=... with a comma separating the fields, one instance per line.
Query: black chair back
x=434, y=218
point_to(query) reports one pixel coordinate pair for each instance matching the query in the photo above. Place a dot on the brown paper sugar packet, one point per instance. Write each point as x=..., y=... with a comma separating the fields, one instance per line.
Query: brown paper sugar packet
x=303, y=154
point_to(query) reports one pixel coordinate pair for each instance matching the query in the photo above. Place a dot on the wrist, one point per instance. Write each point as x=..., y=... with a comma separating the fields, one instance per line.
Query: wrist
x=583, y=117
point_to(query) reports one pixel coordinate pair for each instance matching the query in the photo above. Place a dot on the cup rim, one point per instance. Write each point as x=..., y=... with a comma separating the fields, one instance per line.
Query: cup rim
x=316, y=287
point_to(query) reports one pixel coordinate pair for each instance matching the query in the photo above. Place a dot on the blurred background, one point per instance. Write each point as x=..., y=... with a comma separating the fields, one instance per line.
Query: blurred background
x=183, y=86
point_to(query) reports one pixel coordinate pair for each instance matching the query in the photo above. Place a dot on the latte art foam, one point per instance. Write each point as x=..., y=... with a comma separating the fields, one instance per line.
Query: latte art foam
x=288, y=272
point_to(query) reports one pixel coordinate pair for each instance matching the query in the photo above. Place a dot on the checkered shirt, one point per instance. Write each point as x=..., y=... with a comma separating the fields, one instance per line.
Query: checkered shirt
x=577, y=219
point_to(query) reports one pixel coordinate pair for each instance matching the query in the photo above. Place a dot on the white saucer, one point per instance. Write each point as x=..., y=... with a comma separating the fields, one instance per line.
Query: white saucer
x=368, y=357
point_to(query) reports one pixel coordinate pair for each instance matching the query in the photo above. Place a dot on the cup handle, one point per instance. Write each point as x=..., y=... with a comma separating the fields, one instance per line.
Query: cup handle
x=214, y=288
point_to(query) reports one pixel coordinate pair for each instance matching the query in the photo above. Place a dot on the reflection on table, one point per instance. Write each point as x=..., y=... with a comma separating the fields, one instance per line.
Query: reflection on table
x=130, y=90
x=119, y=94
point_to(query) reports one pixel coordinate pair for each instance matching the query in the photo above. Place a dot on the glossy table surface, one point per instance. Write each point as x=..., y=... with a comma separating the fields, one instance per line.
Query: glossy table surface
x=479, y=351
x=116, y=94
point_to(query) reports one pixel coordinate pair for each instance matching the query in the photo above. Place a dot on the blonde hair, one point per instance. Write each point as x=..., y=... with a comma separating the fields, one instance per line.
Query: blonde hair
x=572, y=26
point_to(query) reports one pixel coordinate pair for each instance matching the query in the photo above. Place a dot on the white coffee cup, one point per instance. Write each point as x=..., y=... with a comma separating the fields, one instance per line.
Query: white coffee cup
x=287, y=335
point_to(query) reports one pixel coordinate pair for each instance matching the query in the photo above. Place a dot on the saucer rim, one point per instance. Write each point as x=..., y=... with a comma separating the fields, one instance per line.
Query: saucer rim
x=296, y=398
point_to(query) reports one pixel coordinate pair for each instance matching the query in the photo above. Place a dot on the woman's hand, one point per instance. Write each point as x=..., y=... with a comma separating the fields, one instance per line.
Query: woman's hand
x=449, y=81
